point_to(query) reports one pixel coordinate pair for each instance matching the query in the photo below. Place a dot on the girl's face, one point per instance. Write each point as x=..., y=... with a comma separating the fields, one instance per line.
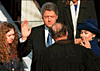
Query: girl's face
x=10, y=36
x=86, y=34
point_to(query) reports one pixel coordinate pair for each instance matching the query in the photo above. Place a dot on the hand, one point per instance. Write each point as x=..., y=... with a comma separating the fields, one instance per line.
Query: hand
x=86, y=43
x=77, y=41
x=24, y=30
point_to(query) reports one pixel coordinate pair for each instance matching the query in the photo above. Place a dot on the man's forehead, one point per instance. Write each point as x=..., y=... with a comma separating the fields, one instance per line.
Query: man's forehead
x=49, y=12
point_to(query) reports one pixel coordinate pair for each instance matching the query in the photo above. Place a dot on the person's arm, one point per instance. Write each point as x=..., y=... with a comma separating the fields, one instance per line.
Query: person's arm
x=25, y=42
x=77, y=41
x=25, y=47
x=84, y=42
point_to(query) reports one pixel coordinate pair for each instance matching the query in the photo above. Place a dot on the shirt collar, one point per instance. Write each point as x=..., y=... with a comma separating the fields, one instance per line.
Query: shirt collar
x=71, y=3
x=46, y=28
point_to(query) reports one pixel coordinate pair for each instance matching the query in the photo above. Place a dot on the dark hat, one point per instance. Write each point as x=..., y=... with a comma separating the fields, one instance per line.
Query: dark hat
x=90, y=25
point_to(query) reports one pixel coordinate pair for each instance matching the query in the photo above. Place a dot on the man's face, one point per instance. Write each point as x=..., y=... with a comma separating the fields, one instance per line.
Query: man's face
x=49, y=18
x=10, y=36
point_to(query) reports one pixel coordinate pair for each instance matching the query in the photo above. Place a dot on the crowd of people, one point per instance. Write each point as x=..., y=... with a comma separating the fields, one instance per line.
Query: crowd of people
x=67, y=41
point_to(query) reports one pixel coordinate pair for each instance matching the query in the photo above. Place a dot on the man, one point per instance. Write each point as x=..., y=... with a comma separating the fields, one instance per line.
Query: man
x=73, y=12
x=64, y=55
x=36, y=39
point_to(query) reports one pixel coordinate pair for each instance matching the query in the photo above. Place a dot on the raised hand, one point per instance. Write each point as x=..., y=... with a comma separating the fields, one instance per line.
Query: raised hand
x=86, y=43
x=77, y=41
x=24, y=30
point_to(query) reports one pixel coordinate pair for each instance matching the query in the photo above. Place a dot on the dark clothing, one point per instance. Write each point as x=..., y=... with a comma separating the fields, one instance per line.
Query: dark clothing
x=13, y=65
x=86, y=11
x=94, y=46
x=36, y=42
x=67, y=56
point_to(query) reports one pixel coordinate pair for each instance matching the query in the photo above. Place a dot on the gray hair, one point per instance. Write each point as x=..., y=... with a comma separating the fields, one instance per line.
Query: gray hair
x=49, y=6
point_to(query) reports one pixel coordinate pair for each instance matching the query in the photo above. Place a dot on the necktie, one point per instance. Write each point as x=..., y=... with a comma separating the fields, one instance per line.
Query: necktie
x=49, y=40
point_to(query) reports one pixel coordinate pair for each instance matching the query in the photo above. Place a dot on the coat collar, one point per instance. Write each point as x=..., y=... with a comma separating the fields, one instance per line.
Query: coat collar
x=63, y=41
x=94, y=42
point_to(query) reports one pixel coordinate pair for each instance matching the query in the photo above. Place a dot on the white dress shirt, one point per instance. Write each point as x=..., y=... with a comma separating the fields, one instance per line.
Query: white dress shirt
x=74, y=15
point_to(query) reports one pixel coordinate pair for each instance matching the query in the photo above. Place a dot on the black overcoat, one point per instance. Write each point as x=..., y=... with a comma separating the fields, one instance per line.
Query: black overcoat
x=67, y=56
x=86, y=11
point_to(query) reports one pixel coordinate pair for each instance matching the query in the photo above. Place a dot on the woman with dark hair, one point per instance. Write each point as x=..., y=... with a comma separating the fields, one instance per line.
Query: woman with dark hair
x=72, y=12
x=89, y=35
x=9, y=60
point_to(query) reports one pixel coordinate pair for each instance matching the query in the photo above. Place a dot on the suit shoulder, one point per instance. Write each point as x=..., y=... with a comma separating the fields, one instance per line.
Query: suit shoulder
x=38, y=28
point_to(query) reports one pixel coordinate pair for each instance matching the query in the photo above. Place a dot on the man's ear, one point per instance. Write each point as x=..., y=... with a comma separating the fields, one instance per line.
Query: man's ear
x=66, y=33
x=94, y=35
x=57, y=17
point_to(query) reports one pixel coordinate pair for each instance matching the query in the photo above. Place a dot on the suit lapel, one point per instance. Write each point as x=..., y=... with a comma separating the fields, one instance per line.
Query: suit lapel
x=82, y=9
x=42, y=36
x=68, y=14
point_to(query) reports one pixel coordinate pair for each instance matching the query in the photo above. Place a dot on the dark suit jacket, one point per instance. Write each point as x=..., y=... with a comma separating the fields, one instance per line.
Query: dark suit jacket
x=35, y=42
x=86, y=11
x=67, y=56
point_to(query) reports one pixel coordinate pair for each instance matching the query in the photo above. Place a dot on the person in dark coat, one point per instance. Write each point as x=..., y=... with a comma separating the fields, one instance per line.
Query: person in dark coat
x=72, y=12
x=64, y=55
x=35, y=39
x=89, y=35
